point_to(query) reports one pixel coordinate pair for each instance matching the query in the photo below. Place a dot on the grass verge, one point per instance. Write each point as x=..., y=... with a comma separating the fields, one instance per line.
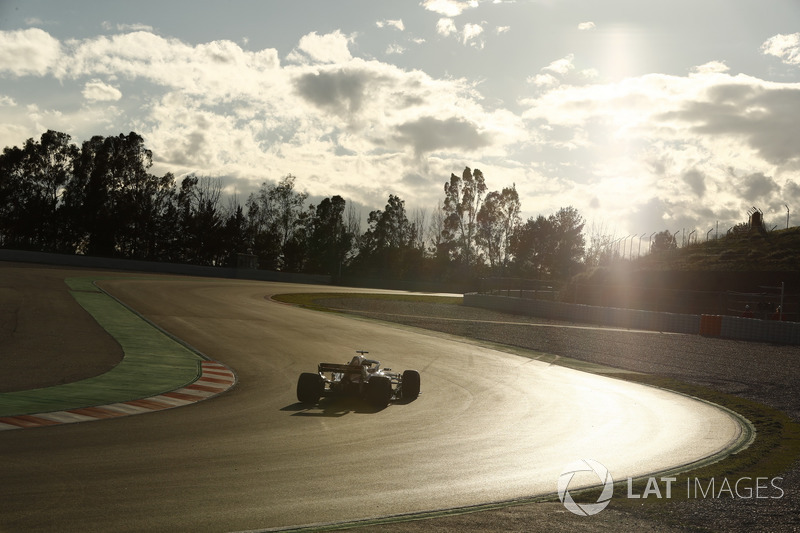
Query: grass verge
x=311, y=300
x=153, y=362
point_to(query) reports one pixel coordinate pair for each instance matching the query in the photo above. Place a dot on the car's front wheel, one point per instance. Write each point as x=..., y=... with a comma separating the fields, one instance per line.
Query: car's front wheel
x=379, y=391
x=409, y=385
x=309, y=388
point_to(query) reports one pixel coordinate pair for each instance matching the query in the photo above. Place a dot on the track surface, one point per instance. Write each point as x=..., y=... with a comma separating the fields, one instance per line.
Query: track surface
x=489, y=426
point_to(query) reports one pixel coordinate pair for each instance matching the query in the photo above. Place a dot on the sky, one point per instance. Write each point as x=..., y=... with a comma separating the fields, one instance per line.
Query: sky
x=644, y=116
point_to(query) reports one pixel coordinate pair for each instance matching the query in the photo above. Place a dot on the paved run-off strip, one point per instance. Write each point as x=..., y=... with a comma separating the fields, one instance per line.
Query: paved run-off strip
x=156, y=372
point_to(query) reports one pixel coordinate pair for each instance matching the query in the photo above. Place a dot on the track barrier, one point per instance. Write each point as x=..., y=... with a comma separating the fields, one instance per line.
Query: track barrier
x=728, y=327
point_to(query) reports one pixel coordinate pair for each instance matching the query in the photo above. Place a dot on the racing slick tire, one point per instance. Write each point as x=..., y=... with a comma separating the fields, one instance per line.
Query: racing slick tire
x=409, y=390
x=309, y=388
x=379, y=391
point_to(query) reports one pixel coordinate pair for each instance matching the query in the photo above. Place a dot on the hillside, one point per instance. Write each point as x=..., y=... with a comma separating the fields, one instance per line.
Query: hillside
x=775, y=251
x=716, y=277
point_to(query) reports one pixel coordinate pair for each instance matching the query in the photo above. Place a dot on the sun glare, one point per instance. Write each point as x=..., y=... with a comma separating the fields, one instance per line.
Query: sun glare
x=620, y=52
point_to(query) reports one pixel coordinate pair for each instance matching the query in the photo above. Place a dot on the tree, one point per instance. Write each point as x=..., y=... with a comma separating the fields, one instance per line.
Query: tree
x=234, y=232
x=497, y=220
x=274, y=213
x=663, y=242
x=389, y=228
x=289, y=205
x=569, y=241
x=354, y=228
x=262, y=230
x=419, y=222
x=551, y=246
x=295, y=251
x=531, y=245
x=13, y=212
x=463, y=196
x=112, y=202
x=330, y=240
x=599, y=247
x=387, y=247
x=51, y=168
x=201, y=221
x=32, y=181
x=150, y=216
x=440, y=249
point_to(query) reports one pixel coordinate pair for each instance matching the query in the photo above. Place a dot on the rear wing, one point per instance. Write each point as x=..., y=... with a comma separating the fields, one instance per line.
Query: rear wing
x=338, y=368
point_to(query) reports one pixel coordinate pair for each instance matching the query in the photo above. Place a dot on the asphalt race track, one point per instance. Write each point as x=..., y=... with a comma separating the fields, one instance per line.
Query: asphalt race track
x=489, y=426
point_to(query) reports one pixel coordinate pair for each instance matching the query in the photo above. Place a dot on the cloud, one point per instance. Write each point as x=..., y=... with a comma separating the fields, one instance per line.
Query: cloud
x=333, y=118
x=28, y=52
x=217, y=69
x=701, y=146
x=543, y=80
x=707, y=106
x=330, y=117
x=429, y=134
x=784, y=46
x=186, y=136
x=757, y=187
x=446, y=27
x=673, y=150
x=711, y=67
x=97, y=91
x=106, y=25
x=554, y=73
x=502, y=29
x=396, y=24
x=696, y=181
x=561, y=66
x=766, y=116
x=339, y=91
x=471, y=35
x=583, y=26
x=328, y=48
x=448, y=8
x=395, y=49
x=791, y=191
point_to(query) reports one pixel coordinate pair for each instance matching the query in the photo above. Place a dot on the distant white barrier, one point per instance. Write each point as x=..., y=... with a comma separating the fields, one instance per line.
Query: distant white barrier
x=728, y=327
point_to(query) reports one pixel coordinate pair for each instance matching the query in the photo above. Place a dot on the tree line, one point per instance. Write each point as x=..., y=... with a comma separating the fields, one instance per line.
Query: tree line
x=101, y=199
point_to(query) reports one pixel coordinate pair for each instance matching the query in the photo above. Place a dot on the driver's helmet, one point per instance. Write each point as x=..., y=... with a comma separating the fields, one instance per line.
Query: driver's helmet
x=357, y=360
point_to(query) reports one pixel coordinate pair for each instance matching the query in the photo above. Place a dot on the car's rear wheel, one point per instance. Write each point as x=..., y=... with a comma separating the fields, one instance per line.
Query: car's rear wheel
x=379, y=391
x=309, y=388
x=410, y=385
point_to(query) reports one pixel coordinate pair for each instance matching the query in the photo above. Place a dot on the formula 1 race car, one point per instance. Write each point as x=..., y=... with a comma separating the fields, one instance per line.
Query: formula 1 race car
x=361, y=377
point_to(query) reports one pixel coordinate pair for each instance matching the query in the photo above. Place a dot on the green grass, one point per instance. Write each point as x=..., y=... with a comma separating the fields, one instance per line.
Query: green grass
x=153, y=362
